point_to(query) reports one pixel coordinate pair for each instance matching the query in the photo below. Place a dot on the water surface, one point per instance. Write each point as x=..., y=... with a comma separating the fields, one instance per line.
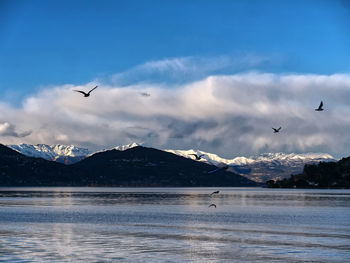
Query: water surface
x=174, y=225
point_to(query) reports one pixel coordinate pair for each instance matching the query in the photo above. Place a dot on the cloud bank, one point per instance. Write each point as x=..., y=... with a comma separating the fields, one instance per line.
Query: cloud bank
x=230, y=115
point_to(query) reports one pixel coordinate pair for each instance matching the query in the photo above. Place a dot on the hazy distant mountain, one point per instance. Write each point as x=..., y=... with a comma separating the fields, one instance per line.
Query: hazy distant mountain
x=262, y=167
x=321, y=175
x=137, y=166
x=66, y=154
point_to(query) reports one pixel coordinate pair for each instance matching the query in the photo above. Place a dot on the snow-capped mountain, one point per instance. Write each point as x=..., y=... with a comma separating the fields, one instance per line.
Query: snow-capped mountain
x=266, y=157
x=262, y=167
x=118, y=148
x=67, y=154
x=259, y=168
x=212, y=158
x=125, y=147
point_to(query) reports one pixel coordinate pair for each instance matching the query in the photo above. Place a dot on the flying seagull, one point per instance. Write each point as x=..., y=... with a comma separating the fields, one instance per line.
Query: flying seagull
x=84, y=93
x=213, y=205
x=276, y=130
x=320, y=108
x=213, y=193
x=145, y=94
x=198, y=157
x=218, y=169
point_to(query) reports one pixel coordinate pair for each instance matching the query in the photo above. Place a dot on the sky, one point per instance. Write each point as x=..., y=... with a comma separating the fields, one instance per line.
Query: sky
x=219, y=74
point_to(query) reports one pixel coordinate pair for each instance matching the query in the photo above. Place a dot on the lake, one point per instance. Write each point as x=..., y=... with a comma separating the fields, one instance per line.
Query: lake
x=53, y=224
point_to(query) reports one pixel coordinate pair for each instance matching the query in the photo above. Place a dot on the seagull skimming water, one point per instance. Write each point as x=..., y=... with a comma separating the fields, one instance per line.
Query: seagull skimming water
x=213, y=193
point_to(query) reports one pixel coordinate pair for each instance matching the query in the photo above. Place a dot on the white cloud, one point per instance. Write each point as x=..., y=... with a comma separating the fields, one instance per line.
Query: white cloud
x=228, y=115
x=184, y=69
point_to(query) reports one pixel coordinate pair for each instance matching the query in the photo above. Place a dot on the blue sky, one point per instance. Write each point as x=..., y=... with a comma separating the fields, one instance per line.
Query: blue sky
x=57, y=42
x=219, y=74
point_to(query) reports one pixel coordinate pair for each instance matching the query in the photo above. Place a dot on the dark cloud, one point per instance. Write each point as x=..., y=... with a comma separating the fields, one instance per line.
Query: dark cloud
x=182, y=128
x=8, y=129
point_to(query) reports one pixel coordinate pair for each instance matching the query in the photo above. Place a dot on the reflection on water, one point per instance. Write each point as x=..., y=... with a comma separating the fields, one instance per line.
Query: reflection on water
x=174, y=225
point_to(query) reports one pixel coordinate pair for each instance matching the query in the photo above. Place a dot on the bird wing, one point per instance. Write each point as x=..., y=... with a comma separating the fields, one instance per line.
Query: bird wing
x=92, y=89
x=321, y=105
x=82, y=92
x=279, y=128
x=274, y=129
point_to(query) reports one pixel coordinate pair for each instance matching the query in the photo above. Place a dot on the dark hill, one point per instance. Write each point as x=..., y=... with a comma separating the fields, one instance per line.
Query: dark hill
x=137, y=166
x=17, y=169
x=141, y=166
x=321, y=175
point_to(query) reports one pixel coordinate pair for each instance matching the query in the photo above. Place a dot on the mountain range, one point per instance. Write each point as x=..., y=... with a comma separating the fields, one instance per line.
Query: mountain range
x=260, y=168
x=264, y=167
x=67, y=154
x=136, y=166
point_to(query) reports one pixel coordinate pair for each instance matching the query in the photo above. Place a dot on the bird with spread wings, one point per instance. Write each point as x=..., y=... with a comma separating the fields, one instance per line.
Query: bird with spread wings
x=276, y=130
x=198, y=157
x=84, y=93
